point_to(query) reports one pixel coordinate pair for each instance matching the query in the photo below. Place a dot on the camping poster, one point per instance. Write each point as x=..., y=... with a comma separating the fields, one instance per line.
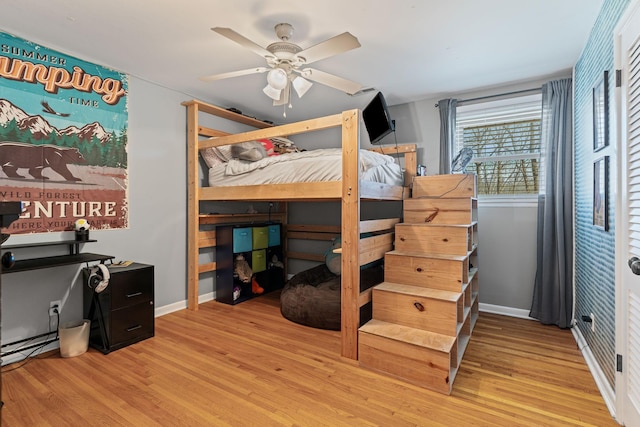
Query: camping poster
x=63, y=139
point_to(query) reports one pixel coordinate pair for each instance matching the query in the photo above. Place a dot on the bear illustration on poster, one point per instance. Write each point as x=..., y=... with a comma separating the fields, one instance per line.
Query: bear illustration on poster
x=35, y=158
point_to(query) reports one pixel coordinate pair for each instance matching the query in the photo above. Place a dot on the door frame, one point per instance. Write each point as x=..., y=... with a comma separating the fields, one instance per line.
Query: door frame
x=621, y=323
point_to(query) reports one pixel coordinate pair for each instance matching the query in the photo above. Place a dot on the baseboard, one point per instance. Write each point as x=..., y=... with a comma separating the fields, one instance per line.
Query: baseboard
x=18, y=357
x=159, y=311
x=166, y=309
x=608, y=394
x=181, y=305
x=506, y=311
x=206, y=297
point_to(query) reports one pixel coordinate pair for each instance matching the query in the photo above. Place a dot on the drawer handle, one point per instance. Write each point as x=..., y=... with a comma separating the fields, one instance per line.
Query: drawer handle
x=134, y=294
x=418, y=305
x=133, y=328
x=419, y=269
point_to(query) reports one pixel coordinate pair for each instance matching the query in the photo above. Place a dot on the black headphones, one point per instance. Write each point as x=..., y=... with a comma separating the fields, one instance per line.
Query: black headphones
x=8, y=260
x=98, y=278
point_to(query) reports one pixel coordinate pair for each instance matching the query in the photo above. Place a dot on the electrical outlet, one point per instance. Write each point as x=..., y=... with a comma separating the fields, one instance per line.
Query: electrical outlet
x=54, y=305
x=593, y=322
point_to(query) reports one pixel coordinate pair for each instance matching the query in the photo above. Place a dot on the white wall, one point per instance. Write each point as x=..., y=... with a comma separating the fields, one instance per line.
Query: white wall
x=157, y=222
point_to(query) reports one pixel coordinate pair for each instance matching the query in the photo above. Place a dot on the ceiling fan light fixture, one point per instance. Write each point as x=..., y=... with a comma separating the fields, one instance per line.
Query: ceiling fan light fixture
x=285, y=60
x=277, y=78
x=272, y=93
x=301, y=85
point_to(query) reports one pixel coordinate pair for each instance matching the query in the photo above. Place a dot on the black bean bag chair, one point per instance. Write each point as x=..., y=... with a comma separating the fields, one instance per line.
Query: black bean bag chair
x=312, y=297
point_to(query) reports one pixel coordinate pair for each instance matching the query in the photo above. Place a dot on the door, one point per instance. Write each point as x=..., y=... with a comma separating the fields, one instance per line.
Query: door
x=627, y=38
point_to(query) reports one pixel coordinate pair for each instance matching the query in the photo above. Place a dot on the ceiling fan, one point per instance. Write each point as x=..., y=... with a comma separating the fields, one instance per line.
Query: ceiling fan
x=287, y=63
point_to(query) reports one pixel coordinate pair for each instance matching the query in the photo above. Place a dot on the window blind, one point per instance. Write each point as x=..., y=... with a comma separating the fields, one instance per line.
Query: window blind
x=505, y=138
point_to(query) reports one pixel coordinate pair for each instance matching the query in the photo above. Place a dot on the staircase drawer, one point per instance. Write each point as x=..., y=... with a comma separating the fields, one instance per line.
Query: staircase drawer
x=420, y=365
x=446, y=273
x=445, y=186
x=430, y=310
x=436, y=239
x=458, y=210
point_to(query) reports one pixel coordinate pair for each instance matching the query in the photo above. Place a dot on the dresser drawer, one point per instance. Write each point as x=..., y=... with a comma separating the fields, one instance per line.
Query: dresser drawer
x=132, y=324
x=130, y=287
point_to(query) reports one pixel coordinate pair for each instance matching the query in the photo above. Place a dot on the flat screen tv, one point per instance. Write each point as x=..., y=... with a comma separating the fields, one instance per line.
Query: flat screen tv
x=377, y=119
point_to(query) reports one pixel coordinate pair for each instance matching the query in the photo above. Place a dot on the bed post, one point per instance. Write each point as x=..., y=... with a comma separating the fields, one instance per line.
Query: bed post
x=193, y=223
x=350, y=289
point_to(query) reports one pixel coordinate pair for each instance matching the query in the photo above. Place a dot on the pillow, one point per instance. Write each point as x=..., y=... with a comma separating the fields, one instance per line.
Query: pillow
x=268, y=146
x=211, y=158
x=216, y=155
x=223, y=152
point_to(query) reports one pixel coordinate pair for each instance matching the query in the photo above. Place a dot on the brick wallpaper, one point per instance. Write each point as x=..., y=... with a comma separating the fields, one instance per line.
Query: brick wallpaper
x=595, y=248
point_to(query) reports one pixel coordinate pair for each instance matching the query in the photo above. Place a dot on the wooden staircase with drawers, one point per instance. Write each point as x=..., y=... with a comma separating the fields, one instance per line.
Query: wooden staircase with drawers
x=425, y=310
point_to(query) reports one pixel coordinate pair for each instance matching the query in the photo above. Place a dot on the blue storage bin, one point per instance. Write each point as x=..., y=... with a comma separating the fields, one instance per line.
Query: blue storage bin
x=260, y=237
x=242, y=240
x=274, y=235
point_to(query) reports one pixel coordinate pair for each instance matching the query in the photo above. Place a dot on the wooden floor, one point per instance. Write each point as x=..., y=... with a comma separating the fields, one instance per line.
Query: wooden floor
x=247, y=366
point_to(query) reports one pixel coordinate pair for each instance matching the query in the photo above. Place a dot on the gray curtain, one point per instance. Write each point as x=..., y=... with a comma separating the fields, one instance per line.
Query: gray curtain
x=553, y=290
x=447, y=132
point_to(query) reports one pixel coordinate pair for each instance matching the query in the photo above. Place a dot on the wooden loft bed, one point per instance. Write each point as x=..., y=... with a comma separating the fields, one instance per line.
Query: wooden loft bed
x=350, y=191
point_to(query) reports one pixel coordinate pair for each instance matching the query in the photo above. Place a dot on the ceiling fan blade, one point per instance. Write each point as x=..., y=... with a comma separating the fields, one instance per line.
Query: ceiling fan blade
x=255, y=70
x=243, y=41
x=333, y=46
x=331, y=80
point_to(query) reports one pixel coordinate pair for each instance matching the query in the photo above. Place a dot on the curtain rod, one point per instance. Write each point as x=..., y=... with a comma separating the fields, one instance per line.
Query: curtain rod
x=516, y=92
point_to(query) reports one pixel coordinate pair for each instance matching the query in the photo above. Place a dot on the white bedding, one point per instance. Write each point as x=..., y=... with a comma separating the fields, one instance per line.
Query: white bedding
x=307, y=166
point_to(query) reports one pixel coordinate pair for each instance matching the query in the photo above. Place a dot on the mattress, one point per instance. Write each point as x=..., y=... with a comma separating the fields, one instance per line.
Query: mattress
x=321, y=165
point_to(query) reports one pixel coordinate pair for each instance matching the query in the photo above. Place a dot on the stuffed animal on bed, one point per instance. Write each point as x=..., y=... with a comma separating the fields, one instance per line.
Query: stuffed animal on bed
x=251, y=151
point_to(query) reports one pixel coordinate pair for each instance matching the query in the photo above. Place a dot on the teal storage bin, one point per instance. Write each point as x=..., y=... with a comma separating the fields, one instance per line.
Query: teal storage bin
x=242, y=240
x=260, y=237
x=274, y=235
x=259, y=260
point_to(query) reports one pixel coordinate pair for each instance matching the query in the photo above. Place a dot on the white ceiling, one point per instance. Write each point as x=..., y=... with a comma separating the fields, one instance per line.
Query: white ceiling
x=411, y=49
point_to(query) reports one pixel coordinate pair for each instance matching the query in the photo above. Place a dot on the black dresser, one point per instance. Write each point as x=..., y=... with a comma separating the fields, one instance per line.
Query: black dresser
x=123, y=313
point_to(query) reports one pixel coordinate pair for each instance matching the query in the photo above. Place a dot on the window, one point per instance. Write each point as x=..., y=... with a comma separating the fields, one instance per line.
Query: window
x=505, y=138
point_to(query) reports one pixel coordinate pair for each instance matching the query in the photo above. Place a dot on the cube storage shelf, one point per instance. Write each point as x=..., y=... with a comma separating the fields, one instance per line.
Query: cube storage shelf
x=260, y=246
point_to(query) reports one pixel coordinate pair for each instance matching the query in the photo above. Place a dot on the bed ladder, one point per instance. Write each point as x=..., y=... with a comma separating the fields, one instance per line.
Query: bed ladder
x=425, y=310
